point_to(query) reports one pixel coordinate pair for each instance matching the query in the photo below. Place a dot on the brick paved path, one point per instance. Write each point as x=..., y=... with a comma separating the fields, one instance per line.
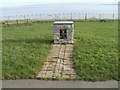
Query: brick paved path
x=59, y=63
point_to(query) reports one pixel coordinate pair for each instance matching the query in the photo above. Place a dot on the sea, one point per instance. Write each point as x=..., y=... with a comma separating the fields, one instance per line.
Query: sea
x=61, y=11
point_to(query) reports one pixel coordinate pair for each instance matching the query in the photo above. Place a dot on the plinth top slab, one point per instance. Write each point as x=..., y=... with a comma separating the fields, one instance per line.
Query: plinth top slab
x=63, y=22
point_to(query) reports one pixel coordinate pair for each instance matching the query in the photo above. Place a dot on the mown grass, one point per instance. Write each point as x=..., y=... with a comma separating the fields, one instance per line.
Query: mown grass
x=96, y=50
x=25, y=49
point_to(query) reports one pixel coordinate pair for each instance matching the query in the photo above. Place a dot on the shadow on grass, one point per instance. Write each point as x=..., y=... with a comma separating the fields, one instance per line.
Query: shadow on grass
x=43, y=41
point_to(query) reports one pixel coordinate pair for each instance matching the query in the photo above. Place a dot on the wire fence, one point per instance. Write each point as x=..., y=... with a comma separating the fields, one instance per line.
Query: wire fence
x=43, y=16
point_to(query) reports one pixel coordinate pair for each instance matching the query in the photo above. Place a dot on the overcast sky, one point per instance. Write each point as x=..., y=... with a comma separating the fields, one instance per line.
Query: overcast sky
x=7, y=3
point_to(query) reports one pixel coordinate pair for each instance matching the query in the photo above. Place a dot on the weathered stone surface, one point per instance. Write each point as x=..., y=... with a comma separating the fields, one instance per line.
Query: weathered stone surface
x=65, y=76
x=50, y=69
x=61, y=66
x=67, y=72
x=49, y=74
x=66, y=68
x=45, y=66
x=57, y=75
x=72, y=71
x=70, y=33
x=46, y=63
x=68, y=63
x=43, y=72
x=73, y=76
x=68, y=55
x=58, y=61
x=58, y=67
x=41, y=75
x=44, y=69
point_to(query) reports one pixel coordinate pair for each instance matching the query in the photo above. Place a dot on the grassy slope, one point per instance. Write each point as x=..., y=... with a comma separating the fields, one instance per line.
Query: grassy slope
x=95, y=50
x=25, y=49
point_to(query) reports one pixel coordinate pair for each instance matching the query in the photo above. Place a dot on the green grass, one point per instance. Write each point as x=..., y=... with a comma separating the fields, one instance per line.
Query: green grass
x=25, y=49
x=96, y=50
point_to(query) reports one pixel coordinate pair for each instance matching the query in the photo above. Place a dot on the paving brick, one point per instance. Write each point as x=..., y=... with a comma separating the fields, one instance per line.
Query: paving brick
x=50, y=69
x=40, y=76
x=49, y=74
x=57, y=75
x=46, y=63
x=73, y=76
x=45, y=66
x=42, y=72
x=66, y=72
x=66, y=68
x=59, y=63
x=65, y=76
x=68, y=62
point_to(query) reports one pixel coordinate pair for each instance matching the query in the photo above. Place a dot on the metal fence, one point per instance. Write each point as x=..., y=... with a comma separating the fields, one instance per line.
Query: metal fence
x=42, y=16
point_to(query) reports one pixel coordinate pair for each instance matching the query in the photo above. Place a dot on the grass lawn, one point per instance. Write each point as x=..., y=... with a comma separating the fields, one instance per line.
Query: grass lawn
x=25, y=49
x=95, y=50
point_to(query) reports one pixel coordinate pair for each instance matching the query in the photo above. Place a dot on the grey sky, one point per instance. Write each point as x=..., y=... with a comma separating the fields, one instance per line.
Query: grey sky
x=12, y=3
